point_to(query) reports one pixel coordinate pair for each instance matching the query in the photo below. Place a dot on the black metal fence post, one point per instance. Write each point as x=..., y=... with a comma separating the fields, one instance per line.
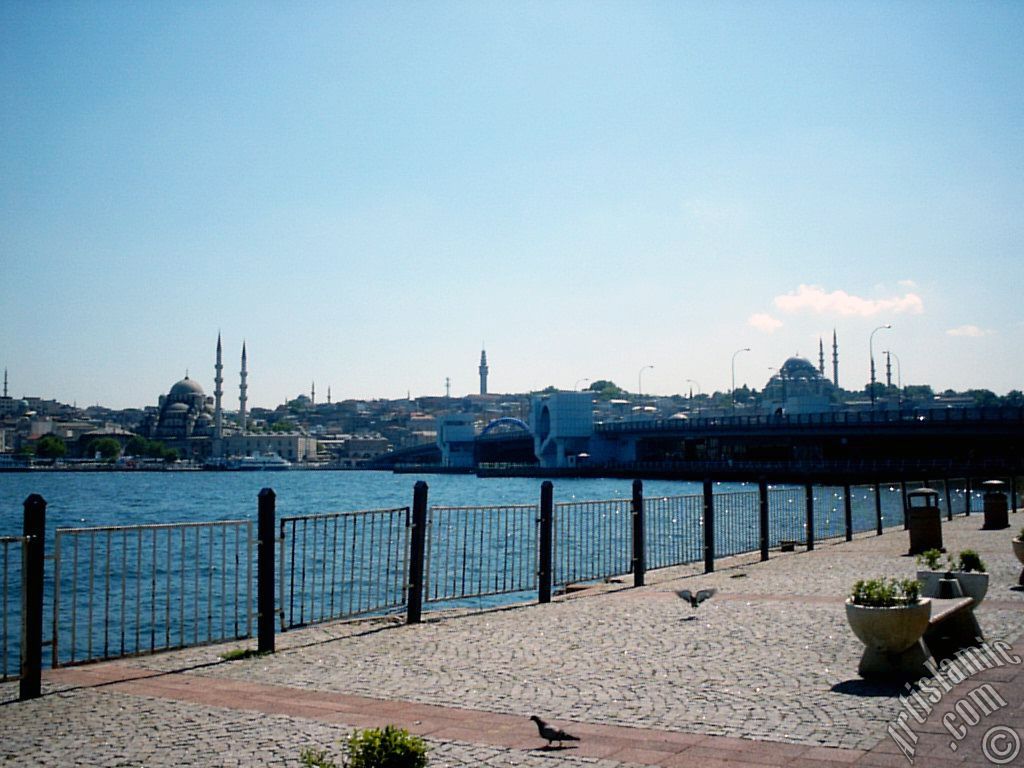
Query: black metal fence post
x=34, y=531
x=878, y=509
x=848, y=512
x=762, y=492
x=265, y=570
x=709, y=528
x=547, y=516
x=1013, y=493
x=949, y=503
x=967, y=497
x=809, y=493
x=639, y=559
x=903, y=489
x=417, y=552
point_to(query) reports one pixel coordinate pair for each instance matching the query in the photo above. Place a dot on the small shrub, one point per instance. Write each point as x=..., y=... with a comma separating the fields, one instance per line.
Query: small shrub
x=971, y=561
x=930, y=559
x=389, y=747
x=886, y=593
x=315, y=758
x=1020, y=536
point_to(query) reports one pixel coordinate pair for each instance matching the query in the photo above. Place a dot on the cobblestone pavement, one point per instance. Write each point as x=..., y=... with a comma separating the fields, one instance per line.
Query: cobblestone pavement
x=769, y=658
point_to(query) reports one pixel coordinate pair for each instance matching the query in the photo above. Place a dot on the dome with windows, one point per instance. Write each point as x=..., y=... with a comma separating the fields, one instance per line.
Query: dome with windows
x=798, y=387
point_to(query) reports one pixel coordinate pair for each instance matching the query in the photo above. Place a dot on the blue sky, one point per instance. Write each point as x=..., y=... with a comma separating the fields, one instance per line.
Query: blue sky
x=367, y=192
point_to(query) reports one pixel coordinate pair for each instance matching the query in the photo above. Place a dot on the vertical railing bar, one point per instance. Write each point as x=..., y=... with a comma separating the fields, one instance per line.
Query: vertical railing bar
x=152, y=596
x=248, y=577
x=90, y=596
x=334, y=562
x=55, y=657
x=3, y=635
x=223, y=531
x=181, y=596
x=209, y=585
x=195, y=597
x=124, y=586
x=238, y=564
x=74, y=595
x=313, y=568
x=167, y=597
x=138, y=591
x=106, y=600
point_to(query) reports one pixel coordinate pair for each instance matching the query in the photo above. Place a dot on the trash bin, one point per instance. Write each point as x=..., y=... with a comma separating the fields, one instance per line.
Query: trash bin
x=924, y=520
x=995, y=505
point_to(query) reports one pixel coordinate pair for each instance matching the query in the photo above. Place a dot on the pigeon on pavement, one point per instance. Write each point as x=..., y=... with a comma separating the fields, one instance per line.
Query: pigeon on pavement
x=552, y=734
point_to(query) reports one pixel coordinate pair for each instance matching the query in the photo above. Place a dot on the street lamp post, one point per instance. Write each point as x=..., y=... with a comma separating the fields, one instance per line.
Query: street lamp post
x=745, y=349
x=640, y=380
x=871, y=354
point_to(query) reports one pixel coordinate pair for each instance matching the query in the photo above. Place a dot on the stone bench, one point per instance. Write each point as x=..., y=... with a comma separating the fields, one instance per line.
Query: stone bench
x=952, y=626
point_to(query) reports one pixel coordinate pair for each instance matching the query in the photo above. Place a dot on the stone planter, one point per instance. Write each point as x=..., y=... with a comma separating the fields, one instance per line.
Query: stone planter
x=892, y=639
x=1018, y=550
x=972, y=583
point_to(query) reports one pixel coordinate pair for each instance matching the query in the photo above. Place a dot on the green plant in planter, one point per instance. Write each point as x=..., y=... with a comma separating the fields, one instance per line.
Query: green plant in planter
x=1020, y=536
x=315, y=758
x=930, y=559
x=885, y=593
x=971, y=561
x=389, y=747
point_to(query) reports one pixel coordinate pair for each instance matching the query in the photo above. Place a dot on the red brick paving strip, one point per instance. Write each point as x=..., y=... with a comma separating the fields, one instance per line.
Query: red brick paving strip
x=639, y=746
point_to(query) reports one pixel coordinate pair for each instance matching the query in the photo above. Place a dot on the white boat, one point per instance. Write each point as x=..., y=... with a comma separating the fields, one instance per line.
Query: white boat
x=259, y=461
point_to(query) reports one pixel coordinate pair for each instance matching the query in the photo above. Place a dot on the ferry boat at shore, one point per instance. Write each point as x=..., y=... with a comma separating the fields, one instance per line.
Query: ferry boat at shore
x=257, y=462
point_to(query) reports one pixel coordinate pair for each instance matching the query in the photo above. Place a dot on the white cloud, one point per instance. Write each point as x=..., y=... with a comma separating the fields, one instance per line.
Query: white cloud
x=764, y=322
x=813, y=298
x=908, y=284
x=969, y=331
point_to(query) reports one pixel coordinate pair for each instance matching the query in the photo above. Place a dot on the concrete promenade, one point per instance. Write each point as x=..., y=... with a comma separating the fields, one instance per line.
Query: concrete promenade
x=764, y=673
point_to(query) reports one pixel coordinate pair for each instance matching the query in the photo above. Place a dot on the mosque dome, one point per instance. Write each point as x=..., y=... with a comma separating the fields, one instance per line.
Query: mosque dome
x=185, y=388
x=177, y=408
x=799, y=368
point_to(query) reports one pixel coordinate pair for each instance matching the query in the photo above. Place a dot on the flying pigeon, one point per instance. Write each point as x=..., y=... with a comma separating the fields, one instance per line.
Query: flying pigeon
x=695, y=599
x=552, y=734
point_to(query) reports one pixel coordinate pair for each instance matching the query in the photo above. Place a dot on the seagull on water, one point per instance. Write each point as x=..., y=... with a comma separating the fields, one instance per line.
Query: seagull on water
x=552, y=734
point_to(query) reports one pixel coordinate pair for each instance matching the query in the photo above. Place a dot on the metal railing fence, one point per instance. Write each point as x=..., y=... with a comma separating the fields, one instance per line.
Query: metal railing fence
x=10, y=604
x=737, y=528
x=127, y=590
x=342, y=564
x=592, y=540
x=674, y=530
x=480, y=551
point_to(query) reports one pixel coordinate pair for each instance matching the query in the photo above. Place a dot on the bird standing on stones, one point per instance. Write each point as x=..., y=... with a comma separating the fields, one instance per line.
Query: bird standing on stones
x=552, y=734
x=695, y=599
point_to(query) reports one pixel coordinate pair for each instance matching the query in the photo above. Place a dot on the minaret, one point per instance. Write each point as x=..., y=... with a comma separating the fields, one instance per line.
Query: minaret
x=312, y=393
x=888, y=370
x=328, y=395
x=218, y=392
x=447, y=386
x=241, y=393
x=821, y=356
x=483, y=371
x=5, y=382
x=835, y=360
